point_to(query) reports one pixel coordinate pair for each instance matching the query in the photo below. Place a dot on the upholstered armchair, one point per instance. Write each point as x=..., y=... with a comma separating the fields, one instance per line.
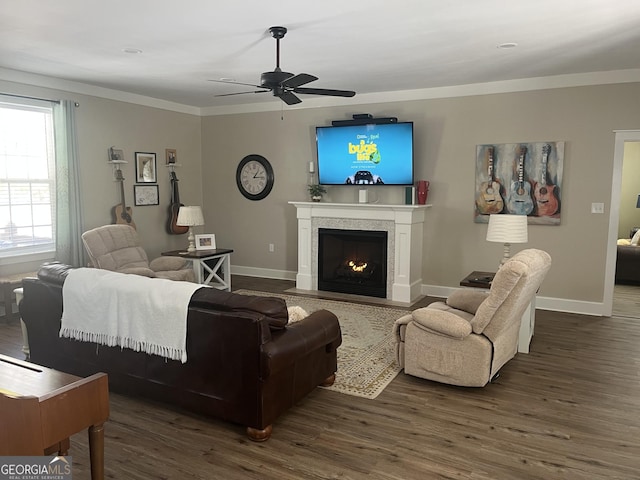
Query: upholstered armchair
x=117, y=248
x=467, y=339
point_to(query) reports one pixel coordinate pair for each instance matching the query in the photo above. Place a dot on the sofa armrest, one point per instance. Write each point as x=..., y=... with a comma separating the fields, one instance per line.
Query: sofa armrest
x=54, y=273
x=319, y=330
x=442, y=322
x=467, y=300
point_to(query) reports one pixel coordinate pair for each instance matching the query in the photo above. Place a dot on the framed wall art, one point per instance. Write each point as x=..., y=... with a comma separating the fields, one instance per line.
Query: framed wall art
x=146, y=167
x=116, y=155
x=145, y=195
x=521, y=179
x=206, y=242
x=171, y=156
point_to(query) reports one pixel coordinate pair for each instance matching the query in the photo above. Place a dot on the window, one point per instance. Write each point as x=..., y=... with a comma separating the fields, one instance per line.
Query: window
x=27, y=179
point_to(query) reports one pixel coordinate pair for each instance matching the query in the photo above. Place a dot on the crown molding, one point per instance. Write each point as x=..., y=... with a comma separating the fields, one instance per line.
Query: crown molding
x=489, y=88
x=70, y=86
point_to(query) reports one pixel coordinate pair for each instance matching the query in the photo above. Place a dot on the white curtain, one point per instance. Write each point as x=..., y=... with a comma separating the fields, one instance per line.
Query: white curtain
x=69, y=223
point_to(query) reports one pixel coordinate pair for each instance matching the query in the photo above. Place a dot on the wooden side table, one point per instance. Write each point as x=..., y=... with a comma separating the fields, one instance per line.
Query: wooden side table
x=482, y=280
x=218, y=275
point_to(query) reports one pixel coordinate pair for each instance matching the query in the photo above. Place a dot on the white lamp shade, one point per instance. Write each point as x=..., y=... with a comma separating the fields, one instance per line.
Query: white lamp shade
x=190, y=217
x=507, y=229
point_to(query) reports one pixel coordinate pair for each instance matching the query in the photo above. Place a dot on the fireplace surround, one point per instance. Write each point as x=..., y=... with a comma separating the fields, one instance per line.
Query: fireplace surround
x=404, y=225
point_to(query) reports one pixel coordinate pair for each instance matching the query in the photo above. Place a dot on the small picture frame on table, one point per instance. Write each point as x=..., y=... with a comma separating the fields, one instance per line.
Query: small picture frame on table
x=171, y=155
x=146, y=167
x=206, y=242
x=145, y=195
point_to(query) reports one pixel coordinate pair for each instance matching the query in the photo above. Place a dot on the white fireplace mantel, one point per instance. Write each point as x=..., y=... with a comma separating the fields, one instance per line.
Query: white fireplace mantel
x=404, y=223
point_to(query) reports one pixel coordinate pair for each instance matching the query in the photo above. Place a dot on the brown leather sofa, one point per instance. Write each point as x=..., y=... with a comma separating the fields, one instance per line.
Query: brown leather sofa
x=246, y=364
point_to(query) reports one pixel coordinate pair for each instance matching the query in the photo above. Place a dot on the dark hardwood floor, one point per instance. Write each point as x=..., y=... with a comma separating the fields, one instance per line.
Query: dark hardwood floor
x=568, y=410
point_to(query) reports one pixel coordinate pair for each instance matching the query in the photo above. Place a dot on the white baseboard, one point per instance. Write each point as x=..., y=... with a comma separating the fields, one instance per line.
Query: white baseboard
x=542, y=303
x=263, y=273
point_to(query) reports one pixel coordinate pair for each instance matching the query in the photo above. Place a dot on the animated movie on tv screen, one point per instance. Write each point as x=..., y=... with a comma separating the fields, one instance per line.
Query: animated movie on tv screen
x=374, y=154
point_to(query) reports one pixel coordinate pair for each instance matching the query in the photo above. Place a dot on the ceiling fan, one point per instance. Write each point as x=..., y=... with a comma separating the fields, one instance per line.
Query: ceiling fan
x=285, y=85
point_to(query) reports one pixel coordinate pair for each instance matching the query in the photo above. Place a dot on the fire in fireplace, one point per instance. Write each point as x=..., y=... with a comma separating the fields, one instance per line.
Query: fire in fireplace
x=352, y=261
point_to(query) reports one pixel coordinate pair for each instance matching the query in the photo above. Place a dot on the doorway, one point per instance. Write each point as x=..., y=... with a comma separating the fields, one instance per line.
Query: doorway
x=624, y=297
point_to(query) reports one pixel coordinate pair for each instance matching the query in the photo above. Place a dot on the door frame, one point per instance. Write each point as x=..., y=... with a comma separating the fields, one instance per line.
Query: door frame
x=621, y=137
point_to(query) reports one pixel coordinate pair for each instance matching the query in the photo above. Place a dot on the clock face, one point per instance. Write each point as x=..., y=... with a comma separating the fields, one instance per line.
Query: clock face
x=254, y=177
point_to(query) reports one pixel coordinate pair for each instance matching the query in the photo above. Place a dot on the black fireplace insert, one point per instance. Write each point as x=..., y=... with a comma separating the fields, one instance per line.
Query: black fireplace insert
x=352, y=261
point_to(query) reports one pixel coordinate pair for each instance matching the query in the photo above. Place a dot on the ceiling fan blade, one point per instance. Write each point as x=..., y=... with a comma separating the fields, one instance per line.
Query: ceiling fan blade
x=297, y=80
x=240, y=93
x=289, y=98
x=236, y=83
x=324, y=91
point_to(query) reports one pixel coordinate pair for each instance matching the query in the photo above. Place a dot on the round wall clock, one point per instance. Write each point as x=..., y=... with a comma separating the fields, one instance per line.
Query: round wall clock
x=254, y=177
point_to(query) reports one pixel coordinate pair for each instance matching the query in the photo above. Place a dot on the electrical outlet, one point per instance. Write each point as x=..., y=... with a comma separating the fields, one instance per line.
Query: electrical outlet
x=272, y=248
x=597, y=208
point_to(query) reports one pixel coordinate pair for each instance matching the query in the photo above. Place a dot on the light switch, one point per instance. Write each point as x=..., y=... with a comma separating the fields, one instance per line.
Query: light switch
x=597, y=208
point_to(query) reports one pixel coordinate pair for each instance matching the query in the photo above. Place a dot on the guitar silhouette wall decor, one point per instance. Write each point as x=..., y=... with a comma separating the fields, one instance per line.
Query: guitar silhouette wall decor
x=525, y=177
x=543, y=192
x=489, y=199
x=519, y=200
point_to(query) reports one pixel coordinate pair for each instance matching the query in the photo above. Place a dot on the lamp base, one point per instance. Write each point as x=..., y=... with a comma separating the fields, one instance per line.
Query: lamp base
x=192, y=241
x=506, y=253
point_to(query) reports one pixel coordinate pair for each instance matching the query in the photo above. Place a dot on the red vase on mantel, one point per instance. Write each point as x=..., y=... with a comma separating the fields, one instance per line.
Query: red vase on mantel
x=422, y=191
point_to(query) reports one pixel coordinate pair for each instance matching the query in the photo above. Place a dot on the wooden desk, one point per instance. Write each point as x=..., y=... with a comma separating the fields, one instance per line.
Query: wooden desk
x=41, y=408
x=482, y=280
x=205, y=274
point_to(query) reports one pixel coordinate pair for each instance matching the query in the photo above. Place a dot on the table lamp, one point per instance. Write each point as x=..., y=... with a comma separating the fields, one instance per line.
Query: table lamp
x=507, y=229
x=190, y=217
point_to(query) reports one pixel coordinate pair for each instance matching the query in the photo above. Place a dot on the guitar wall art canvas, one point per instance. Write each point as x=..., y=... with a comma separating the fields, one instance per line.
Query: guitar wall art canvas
x=521, y=179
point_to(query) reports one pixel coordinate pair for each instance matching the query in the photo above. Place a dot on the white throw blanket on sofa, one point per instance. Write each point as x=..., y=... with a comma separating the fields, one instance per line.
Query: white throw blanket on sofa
x=110, y=308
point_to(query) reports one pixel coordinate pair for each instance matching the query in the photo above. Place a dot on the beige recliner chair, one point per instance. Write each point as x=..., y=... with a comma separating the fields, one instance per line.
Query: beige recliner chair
x=117, y=248
x=466, y=340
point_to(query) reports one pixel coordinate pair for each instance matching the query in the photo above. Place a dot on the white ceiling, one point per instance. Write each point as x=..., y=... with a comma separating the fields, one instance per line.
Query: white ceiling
x=362, y=45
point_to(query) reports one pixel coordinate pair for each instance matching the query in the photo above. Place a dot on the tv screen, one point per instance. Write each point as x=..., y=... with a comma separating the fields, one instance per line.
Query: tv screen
x=372, y=154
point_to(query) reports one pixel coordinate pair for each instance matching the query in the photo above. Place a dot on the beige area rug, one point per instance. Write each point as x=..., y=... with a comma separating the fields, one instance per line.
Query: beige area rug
x=366, y=358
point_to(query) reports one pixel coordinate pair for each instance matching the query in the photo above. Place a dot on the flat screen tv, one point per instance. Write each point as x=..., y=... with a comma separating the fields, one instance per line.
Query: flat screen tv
x=372, y=154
